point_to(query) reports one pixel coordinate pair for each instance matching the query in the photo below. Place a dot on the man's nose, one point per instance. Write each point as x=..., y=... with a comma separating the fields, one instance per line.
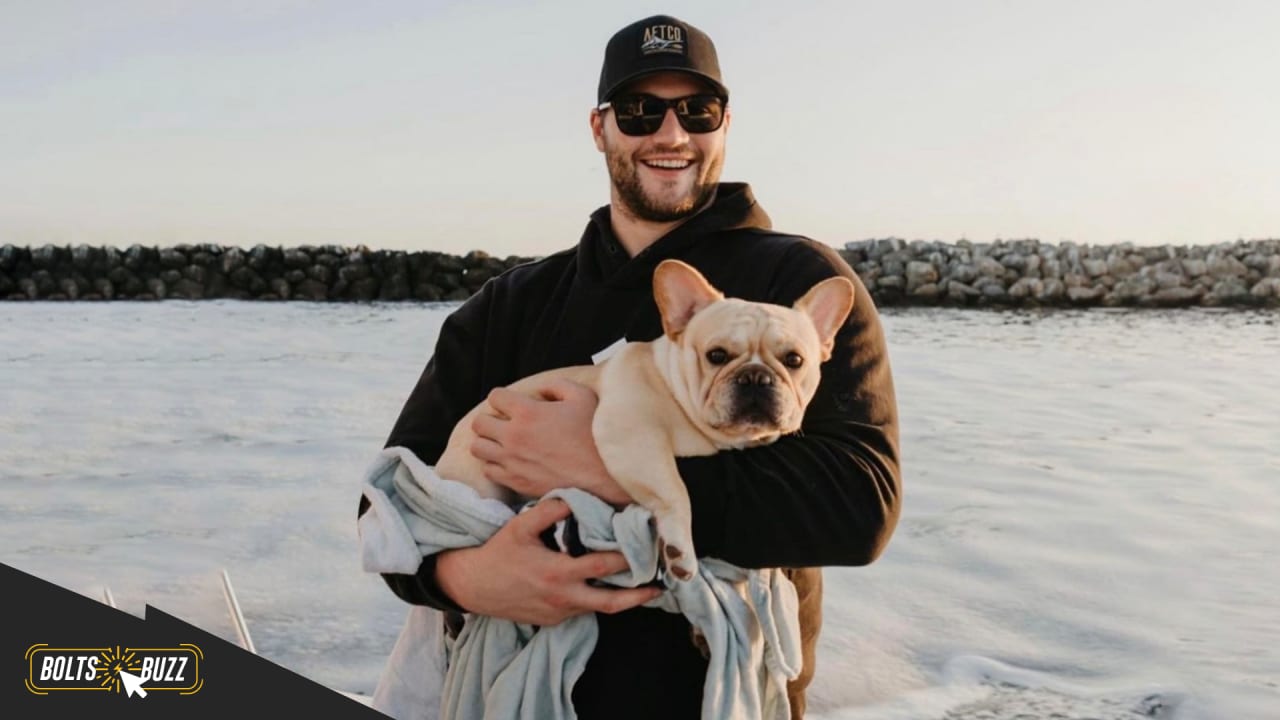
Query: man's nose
x=671, y=132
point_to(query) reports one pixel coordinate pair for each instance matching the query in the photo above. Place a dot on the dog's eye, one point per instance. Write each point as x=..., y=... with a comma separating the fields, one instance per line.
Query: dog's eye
x=717, y=356
x=793, y=360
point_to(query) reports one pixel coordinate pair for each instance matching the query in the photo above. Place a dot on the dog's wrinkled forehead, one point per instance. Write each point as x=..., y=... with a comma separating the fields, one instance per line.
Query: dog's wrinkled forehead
x=746, y=324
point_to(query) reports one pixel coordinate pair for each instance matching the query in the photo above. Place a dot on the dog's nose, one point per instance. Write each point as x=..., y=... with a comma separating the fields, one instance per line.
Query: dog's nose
x=756, y=376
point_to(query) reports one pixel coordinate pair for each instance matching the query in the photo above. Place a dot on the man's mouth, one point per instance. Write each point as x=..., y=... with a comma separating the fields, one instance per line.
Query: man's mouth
x=667, y=163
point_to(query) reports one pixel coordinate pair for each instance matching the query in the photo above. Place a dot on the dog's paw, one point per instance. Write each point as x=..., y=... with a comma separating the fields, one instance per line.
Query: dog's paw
x=676, y=548
x=700, y=642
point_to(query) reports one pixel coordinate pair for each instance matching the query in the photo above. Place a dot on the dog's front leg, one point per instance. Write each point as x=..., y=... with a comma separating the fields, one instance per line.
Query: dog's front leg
x=639, y=456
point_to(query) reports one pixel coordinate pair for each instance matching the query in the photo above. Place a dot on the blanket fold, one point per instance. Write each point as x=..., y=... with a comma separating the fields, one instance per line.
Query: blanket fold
x=497, y=669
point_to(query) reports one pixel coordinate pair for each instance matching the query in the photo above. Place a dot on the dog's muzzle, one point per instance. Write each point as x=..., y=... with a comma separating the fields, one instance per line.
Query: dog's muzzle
x=755, y=399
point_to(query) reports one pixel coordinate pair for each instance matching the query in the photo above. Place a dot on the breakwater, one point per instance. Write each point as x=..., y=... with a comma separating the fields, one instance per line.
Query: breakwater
x=1018, y=273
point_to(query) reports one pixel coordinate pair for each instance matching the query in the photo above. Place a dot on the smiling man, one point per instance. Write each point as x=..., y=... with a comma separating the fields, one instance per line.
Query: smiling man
x=829, y=495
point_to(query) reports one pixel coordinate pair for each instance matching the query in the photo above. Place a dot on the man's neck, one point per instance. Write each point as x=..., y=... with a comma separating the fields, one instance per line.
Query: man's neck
x=636, y=234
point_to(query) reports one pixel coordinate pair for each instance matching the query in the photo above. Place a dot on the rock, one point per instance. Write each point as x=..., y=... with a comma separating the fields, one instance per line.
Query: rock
x=1175, y=297
x=232, y=260
x=1132, y=289
x=1094, y=267
x=186, y=289
x=1052, y=290
x=427, y=291
x=83, y=256
x=205, y=259
x=960, y=292
x=1266, y=288
x=449, y=281
x=1085, y=295
x=1026, y=288
x=880, y=248
x=929, y=292
x=320, y=273
x=45, y=257
x=311, y=290
x=294, y=258
x=963, y=272
x=137, y=257
x=170, y=258
x=395, y=287
x=920, y=273
x=1225, y=267
x=280, y=288
x=44, y=281
x=1165, y=280
x=893, y=265
x=262, y=257
x=1014, y=261
x=990, y=267
x=450, y=264
x=1119, y=266
x=364, y=289
x=104, y=288
x=1231, y=291
x=10, y=256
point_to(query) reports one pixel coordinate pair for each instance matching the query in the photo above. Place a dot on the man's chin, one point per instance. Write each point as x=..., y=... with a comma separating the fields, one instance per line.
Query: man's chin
x=675, y=205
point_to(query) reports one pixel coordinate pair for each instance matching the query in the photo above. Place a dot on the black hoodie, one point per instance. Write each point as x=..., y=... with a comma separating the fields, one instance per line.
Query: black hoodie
x=828, y=495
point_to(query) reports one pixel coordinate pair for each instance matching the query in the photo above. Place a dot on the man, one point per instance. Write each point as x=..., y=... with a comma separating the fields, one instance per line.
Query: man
x=826, y=496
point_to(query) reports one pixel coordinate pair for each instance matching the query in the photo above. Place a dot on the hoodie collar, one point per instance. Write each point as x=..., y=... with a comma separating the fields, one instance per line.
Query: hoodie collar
x=603, y=259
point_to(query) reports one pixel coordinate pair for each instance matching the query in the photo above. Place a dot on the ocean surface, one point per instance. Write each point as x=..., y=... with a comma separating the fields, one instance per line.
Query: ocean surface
x=1090, y=526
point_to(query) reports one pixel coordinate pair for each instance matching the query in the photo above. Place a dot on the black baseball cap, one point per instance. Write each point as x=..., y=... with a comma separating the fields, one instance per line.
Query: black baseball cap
x=656, y=44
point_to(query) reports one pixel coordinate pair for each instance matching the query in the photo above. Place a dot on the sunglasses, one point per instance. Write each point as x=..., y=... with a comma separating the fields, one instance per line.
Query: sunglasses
x=643, y=114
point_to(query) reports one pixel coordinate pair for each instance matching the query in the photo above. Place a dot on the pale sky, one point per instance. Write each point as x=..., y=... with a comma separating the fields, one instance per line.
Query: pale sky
x=458, y=126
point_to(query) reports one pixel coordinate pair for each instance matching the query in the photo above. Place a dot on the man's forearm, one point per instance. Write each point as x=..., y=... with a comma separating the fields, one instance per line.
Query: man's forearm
x=803, y=501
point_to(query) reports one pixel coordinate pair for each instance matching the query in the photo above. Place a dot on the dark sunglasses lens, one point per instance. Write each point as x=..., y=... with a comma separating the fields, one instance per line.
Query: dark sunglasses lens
x=639, y=115
x=644, y=114
x=700, y=113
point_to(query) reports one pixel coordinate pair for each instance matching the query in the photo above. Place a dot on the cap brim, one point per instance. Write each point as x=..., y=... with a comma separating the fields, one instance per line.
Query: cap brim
x=715, y=84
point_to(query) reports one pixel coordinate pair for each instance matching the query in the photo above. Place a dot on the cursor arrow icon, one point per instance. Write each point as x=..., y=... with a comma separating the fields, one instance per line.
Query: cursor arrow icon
x=132, y=684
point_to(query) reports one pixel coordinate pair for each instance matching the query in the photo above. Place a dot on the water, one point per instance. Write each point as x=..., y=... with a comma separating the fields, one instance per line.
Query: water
x=1089, y=531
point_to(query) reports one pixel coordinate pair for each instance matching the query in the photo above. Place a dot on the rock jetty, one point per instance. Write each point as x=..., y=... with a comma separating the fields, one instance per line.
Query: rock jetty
x=1030, y=273
x=1016, y=273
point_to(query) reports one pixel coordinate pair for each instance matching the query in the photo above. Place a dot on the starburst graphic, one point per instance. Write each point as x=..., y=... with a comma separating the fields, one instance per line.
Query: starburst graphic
x=113, y=661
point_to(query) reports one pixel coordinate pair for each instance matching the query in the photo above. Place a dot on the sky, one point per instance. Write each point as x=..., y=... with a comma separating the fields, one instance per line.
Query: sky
x=459, y=126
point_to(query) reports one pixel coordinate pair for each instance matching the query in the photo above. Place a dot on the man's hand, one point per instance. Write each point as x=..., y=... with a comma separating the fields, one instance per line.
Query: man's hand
x=515, y=577
x=538, y=445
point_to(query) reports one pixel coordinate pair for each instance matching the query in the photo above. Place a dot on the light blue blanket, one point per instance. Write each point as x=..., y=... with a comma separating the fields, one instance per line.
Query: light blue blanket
x=499, y=670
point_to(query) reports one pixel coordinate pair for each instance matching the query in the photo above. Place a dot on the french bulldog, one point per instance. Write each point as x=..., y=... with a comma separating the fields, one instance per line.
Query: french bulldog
x=725, y=374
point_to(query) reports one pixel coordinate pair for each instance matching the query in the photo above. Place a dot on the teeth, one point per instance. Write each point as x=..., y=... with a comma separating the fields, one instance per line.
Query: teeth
x=668, y=164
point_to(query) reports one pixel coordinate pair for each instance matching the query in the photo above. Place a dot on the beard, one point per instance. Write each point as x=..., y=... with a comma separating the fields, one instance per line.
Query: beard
x=638, y=202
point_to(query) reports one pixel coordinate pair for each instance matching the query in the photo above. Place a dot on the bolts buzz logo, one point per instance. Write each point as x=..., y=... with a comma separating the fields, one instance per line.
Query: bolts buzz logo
x=114, y=670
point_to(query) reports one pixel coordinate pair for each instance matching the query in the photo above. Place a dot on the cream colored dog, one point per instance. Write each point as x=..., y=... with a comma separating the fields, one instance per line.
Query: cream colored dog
x=726, y=374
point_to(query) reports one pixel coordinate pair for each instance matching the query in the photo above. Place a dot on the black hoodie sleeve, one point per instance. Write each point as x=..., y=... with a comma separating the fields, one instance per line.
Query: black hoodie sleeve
x=448, y=388
x=830, y=494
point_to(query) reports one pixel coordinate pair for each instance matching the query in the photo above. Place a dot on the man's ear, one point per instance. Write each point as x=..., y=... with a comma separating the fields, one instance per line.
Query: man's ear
x=681, y=292
x=597, y=128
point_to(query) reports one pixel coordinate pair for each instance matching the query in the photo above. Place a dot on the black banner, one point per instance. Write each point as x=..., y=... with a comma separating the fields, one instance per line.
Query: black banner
x=69, y=656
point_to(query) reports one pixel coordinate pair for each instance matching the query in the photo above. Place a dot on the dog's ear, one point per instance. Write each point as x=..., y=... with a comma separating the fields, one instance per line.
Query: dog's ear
x=681, y=292
x=828, y=304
